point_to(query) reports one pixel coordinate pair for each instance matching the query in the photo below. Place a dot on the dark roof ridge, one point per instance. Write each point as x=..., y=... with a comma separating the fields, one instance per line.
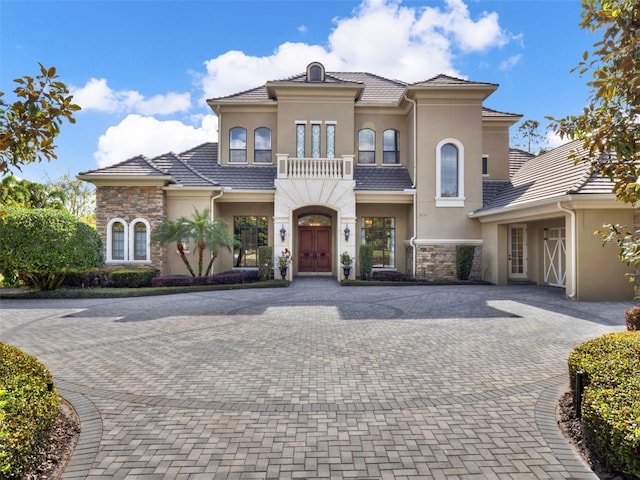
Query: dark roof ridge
x=500, y=111
x=451, y=77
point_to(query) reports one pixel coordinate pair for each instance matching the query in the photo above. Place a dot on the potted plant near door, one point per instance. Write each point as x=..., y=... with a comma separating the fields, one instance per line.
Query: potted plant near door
x=283, y=262
x=346, y=261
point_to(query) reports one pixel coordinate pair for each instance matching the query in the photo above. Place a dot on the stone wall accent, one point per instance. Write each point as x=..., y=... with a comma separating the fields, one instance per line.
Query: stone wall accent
x=129, y=203
x=438, y=263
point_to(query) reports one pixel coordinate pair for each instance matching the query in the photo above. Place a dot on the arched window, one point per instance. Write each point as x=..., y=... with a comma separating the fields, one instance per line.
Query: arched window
x=116, y=240
x=237, y=145
x=390, y=147
x=315, y=72
x=140, y=241
x=450, y=174
x=262, y=145
x=367, y=146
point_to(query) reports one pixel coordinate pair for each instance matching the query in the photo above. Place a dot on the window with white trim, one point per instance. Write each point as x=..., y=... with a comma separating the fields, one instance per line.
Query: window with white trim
x=262, y=145
x=450, y=173
x=367, y=146
x=238, y=145
x=128, y=242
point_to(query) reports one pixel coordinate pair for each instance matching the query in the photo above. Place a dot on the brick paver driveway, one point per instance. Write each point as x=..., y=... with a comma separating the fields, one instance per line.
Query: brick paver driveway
x=315, y=380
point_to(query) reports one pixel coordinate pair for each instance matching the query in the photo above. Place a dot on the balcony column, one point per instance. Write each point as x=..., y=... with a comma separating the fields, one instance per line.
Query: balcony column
x=282, y=160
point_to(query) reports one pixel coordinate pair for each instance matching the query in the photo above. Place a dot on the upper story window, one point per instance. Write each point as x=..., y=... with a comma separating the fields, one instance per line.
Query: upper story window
x=331, y=140
x=367, y=146
x=315, y=72
x=485, y=165
x=238, y=145
x=300, y=136
x=450, y=174
x=315, y=140
x=262, y=145
x=390, y=147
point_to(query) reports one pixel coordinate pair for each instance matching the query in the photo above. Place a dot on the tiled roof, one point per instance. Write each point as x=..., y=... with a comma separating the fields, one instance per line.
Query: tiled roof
x=136, y=166
x=447, y=80
x=551, y=175
x=489, y=112
x=198, y=167
x=382, y=178
x=517, y=158
x=491, y=188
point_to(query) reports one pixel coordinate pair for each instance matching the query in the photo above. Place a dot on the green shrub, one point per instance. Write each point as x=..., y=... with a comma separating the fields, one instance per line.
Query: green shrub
x=365, y=256
x=464, y=261
x=91, y=278
x=132, y=277
x=611, y=400
x=40, y=245
x=265, y=263
x=632, y=319
x=28, y=411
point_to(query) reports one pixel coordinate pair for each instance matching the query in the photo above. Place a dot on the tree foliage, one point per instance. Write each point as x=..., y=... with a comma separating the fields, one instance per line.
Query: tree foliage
x=79, y=197
x=609, y=125
x=40, y=245
x=29, y=125
x=25, y=194
x=529, y=136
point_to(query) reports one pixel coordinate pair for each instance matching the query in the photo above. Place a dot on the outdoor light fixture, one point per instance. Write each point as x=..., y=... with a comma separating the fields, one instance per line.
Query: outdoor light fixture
x=283, y=232
x=346, y=233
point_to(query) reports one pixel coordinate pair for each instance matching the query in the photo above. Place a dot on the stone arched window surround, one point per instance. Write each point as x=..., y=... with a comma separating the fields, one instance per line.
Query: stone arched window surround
x=110, y=226
x=129, y=241
x=132, y=238
x=457, y=201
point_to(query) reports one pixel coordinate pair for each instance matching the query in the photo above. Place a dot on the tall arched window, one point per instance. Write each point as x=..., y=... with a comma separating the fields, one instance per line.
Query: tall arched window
x=140, y=243
x=367, y=146
x=117, y=240
x=262, y=145
x=237, y=145
x=450, y=173
x=390, y=146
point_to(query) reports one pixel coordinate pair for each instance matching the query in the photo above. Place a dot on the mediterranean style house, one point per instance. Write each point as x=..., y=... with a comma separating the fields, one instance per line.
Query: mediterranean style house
x=323, y=162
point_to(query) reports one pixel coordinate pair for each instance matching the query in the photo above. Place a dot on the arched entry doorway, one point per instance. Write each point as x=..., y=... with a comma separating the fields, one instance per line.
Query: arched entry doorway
x=314, y=243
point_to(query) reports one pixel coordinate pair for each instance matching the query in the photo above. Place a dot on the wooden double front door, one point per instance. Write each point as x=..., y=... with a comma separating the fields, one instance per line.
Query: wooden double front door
x=314, y=249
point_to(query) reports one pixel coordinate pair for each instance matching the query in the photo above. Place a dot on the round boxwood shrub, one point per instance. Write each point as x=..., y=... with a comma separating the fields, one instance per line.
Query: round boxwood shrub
x=40, y=245
x=28, y=411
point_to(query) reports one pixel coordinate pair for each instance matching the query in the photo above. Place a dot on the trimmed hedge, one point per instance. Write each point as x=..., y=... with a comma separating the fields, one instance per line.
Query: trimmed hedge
x=390, y=276
x=225, y=278
x=611, y=400
x=28, y=411
x=40, y=245
x=132, y=278
x=365, y=256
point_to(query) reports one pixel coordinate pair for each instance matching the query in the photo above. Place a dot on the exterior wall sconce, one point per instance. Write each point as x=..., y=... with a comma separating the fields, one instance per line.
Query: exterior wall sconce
x=283, y=233
x=346, y=233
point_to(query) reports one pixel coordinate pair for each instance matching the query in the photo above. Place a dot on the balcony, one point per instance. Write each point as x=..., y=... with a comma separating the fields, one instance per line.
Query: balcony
x=315, y=168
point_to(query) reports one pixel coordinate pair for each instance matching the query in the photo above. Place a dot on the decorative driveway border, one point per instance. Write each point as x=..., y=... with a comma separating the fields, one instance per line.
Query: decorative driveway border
x=316, y=381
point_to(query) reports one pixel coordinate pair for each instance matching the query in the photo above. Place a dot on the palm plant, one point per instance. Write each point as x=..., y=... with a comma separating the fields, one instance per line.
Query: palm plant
x=208, y=234
x=170, y=231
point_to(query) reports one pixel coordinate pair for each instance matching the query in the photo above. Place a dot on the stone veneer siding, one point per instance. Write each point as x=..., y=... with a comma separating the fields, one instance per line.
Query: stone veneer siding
x=438, y=263
x=129, y=203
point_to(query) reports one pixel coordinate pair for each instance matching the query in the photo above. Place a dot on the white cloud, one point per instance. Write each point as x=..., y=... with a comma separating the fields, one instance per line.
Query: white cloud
x=97, y=95
x=510, y=62
x=553, y=140
x=381, y=36
x=140, y=135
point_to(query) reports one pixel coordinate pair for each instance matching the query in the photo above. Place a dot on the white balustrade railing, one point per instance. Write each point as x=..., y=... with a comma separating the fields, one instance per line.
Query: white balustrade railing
x=315, y=168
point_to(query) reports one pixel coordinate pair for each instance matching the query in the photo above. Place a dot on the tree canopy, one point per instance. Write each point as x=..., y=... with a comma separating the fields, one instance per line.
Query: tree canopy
x=29, y=125
x=609, y=126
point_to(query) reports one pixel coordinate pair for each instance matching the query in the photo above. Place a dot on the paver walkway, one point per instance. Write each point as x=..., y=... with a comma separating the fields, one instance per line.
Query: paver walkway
x=315, y=380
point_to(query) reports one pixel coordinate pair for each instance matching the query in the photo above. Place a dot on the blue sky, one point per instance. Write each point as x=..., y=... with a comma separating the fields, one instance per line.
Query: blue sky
x=141, y=69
